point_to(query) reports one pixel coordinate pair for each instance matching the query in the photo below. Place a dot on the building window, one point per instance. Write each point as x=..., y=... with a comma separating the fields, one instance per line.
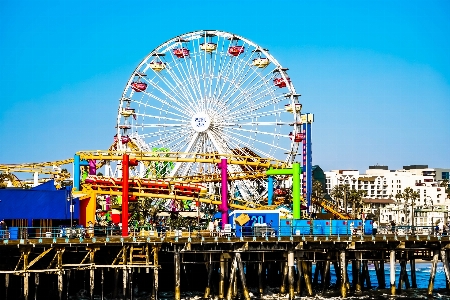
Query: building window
x=445, y=175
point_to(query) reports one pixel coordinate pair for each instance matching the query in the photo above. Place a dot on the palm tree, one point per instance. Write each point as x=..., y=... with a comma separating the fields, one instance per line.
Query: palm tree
x=444, y=183
x=356, y=198
x=341, y=192
x=317, y=190
x=409, y=196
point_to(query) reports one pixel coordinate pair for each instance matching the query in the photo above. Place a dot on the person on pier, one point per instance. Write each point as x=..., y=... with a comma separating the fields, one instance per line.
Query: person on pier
x=374, y=227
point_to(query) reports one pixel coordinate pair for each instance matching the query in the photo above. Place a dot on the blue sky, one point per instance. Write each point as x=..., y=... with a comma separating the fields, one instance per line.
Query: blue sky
x=376, y=74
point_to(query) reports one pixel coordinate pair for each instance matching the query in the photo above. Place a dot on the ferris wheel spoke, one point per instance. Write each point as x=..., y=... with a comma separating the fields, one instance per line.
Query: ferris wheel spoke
x=196, y=85
x=188, y=149
x=254, y=92
x=239, y=144
x=181, y=86
x=194, y=81
x=248, y=137
x=241, y=74
x=255, y=123
x=178, y=63
x=259, y=131
x=222, y=61
x=249, y=109
x=249, y=93
x=161, y=117
x=166, y=132
x=259, y=115
x=227, y=63
x=169, y=140
x=195, y=78
x=196, y=69
x=158, y=109
x=159, y=125
x=187, y=99
x=168, y=95
x=248, y=85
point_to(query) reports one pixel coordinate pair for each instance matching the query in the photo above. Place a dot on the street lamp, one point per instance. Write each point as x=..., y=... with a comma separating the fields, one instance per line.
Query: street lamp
x=70, y=200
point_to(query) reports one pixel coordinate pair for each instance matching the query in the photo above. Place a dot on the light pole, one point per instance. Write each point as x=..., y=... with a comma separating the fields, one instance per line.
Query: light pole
x=70, y=199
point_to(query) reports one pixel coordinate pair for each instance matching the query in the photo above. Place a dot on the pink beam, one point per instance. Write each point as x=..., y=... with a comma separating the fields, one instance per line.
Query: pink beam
x=223, y=165
x=125, y=176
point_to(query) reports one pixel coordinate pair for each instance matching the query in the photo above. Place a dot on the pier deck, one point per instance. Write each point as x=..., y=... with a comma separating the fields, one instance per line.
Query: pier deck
x=252, y=261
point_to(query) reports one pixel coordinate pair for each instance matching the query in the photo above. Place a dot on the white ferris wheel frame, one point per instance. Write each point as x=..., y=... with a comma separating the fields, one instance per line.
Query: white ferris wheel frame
x=185, y=101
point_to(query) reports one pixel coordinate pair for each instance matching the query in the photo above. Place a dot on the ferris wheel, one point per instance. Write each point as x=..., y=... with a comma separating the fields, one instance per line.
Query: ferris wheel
x=210, y=91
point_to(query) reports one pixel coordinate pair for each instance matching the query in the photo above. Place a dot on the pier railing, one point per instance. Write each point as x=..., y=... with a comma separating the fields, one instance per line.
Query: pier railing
x=15, y=233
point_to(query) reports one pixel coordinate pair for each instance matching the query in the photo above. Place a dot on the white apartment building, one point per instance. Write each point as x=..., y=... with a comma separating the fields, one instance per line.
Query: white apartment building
x=382, y=184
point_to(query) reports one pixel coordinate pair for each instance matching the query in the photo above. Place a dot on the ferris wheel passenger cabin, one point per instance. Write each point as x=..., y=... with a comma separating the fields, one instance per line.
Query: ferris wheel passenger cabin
x=236, y=50
x=181, y=52
x=139, y=86
x=208, y=47
x=157, y=66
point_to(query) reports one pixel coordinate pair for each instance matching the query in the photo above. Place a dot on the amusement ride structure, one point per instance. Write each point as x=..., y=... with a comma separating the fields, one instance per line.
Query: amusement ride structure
x=208, y=118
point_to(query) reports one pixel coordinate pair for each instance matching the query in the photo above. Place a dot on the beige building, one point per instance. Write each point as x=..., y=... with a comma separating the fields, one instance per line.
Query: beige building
x=382, y=184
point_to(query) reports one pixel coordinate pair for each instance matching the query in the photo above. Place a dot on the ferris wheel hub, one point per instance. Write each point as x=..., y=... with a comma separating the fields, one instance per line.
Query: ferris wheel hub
x=200, y=122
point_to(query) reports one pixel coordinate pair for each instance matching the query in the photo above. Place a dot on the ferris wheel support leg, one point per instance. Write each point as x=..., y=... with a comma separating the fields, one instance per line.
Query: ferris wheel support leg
x=224, y=190
x=269, y=190
x=35, y=179
x=125, y=175
x=76, y=172
x=92, y=167
x=296, y=171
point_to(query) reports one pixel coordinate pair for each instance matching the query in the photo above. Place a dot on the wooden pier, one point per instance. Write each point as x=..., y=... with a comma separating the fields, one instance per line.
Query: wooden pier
x=221, y=266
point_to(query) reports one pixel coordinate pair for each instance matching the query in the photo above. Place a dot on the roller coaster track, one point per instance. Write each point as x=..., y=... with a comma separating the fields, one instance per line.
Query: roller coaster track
x=212, y=158
x=42, y=168
x=47, y=168
x=89, y=190
x=331, y=208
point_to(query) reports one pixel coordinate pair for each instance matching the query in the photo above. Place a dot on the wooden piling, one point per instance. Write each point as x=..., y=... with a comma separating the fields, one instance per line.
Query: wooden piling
x=222, y=277
x=124, y=272
x=60, y=252
x=116, y=279
x=291, y=271
x=91, y=272
x=102, y=282
x=308, y=285
x=366, y=275
x=299, y=277
x=444, y=259
x=210, y=268
x=176, y=259
x=357, y=272
x=260, y=276
x=433, y=272
x=284, y=271
x=232, y=276
x=343, y=272
x=242, y=276
x=412, y=263
x=36, y=285
x=124, y=282
x=337, y=271
x=325, y=281
x=392, y=271
x=25, y=253
x=26, y=276
x=155, y=273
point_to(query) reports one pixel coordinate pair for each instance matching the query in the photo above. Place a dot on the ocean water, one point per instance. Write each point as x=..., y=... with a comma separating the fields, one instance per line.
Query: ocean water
x=422, y=276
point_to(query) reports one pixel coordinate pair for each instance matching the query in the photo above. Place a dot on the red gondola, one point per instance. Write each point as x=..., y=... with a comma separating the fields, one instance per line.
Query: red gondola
x=181, y=52
x=280, y=82
x=139, y=86
x=236, y=50
x=125, y=139
x=297, y=138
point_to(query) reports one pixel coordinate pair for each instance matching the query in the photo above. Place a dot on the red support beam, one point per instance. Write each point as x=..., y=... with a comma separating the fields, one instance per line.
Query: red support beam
x=125, y=176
